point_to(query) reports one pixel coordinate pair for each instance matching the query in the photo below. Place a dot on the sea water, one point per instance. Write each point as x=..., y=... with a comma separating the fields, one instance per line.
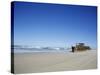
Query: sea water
x=42, y=50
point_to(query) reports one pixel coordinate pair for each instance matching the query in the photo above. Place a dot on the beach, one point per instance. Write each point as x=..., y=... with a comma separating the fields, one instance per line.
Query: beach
x=54, y=61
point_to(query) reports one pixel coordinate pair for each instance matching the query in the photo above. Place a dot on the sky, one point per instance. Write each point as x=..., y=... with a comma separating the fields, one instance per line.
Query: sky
x=54, y=25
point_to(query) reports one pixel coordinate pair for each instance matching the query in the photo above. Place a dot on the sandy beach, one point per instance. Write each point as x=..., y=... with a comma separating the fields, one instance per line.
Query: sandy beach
x=47, y=62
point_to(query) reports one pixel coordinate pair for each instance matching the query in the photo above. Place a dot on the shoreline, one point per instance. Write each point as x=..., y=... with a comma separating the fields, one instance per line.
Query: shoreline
x=30, y=52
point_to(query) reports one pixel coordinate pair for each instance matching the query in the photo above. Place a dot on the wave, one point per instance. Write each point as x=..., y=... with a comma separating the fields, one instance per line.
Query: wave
x=29, y=49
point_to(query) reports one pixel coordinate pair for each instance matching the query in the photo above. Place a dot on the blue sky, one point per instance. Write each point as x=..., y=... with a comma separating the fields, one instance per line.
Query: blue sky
x=54, y=25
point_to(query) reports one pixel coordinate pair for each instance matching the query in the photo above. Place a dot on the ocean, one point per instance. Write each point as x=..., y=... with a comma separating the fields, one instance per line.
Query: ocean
x=41, y=50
